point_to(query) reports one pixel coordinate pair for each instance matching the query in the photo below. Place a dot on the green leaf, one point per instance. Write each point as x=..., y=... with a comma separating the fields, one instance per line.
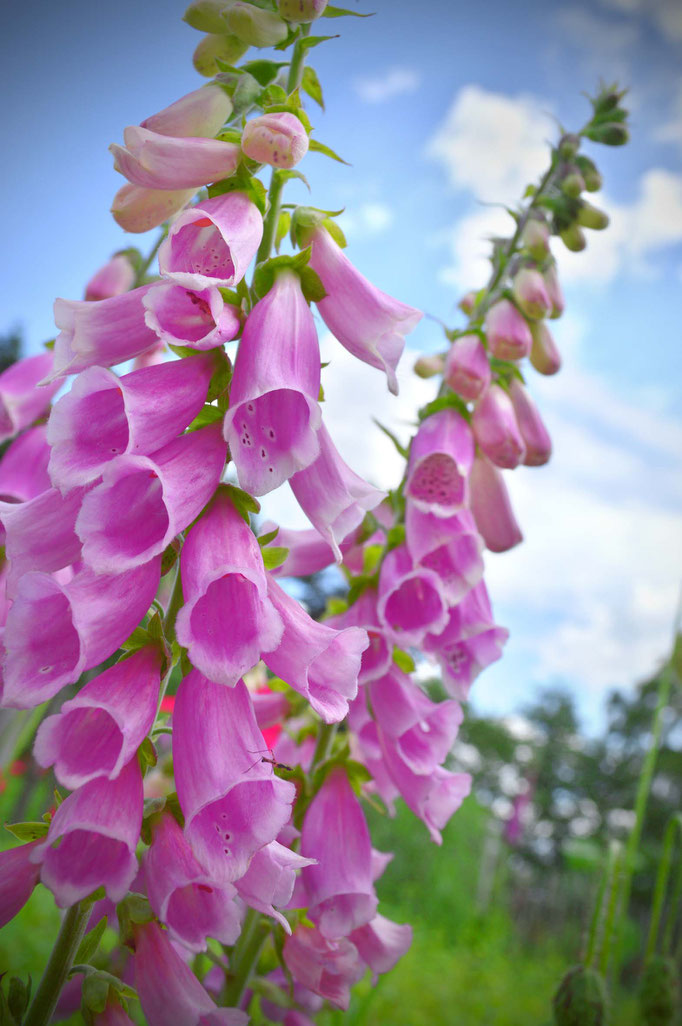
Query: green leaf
x=403, y=660
x=274, y=556
x=138, y=639
x=371, y=557
x=263, y=71
x=285, y=174
x=395, y=537
x=147, y=753
x=273, y=96
x=90, y=942
x=335, y=606
x=389, y=434
x=445, y=402
x=341, y=12
x=27, y=831
x=18, y=997
x=182, y=350
x=265, y=539
x=334, y=230
x=241, y=181
x=243, y=502
x=310, y=84
x=95, y=993
x=311, y=285
x=283, y=225
x=310, y=41
x=317, y=147
x=208, y=414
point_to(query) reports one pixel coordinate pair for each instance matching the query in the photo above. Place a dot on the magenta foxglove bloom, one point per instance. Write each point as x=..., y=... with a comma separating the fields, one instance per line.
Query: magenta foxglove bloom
x=269, y=881
x=507, y=331
x=450, y=546
x=314, y=659
x=412, y=598
x=273, y=419
x=531, y=293
x=199, y=320
x=333, y=497
x=368, y=323
x=156, y=161
x=554, y=291
x=104, y=416
x=533, y=431
x=378, y=655
x=113, y=1015
x=137, y=210
x=382, y=943
x=203, y=112
x=21, y=401
x=327, y=967
x=103, y=333
x=98, y=732
x=212, y=243
x=23, y=467
x=98, y=827
x=183, y=895
x=143, y=502
x=302, y=996
x=18, y=876
x=423, y=731
x=441, y=456
x=496, y=430
x=55, y=631
x=269, y=706
x=168, y=990
x=366, y=748
x=491, y=507
x=544, y=355
x=232, y=801
x=117, y=276
x=40, y=533
x=278, y=139
x=228, y=619
x=467, y=369
x=339, y=887
x=308, y=551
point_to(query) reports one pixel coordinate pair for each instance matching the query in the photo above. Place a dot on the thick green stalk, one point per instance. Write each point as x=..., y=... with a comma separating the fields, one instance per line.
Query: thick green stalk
x=174, y=605
x=674, y=826
x=597, y=924
x=244, y=957
x=610, y=909
x=325, y=740
x=63, y=953
x=139, y=279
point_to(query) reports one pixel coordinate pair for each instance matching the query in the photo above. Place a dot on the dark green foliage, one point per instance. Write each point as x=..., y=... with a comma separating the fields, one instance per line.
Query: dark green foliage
x=580, y=999
x=659, y=993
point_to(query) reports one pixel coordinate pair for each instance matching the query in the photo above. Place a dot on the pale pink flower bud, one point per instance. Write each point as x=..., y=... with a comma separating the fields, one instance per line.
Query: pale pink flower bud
x=277, y=139
x=491, y=507
x=327, y=967
x=217, y=47
x=428, y=366
x=535, y=434
x=467, y=370
x=255, y=26
x=535, y=238
x=301, y=10
x=496, y=430
x=544, y=354
x=202, y=112
x=308, y=551
x=136, y=209
x=381, y=944
x=554, y=291
x=507, y=331
x=21, y=400
x=156, y=161
x=467, y=302
x=114, y=278
x=531, y=294
x=18, y=876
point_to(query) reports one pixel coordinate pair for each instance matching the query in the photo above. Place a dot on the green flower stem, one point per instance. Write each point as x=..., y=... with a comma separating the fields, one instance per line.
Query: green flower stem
x=325, y=739
x=174, y=605
x=244, y=957
x=674, y=827
x=139, y=279
x=609, y=907
x=597, y=924
x=63, y=953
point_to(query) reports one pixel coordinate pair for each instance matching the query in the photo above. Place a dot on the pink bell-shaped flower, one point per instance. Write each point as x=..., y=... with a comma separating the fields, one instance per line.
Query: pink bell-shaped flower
x=544, y=355
x=308, y=551
x=137, y=210
x=273, y=420
x=21, y=401
x=377, y=657
x=327, y=967
x=496, y=430
x=269, y=880
x=533, y=431
x=507, y=331
x=467, y=369
x=23, y=467
x=491, y=507
x=203, y=112
x=450, y=546
x=381, y=943
x=116, y=277
x=18, y=876
x=199, y=320
x=40, y=533
x=278, y=139
x=412, y=598
x=441, y=456
x=531, y=293
x=155, y=161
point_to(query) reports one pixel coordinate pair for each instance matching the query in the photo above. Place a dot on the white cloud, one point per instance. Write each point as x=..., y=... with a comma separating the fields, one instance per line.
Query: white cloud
x=394, y=82
x=366, y=219
x=666, y=15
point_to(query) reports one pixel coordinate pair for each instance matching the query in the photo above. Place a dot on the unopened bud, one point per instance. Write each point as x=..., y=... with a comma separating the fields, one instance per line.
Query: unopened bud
x=573, y=238
x=115, y=278
x=202, y=112
x=207, y=15
x=491, y=507
x=544, y=354
x=429, y=366
x=255, y=26
x=535, y=238
x=467, y=370
x=217, y=48
x=580, y=999
x=659, y=992
x=533, y=431
x=530, y=293
x=607, y=101
x=302, y=11
x=592, y=217
x=569, y=145
x=590, y=173
x=554, y=291
x=277, y=139
x=613, y=133
x=495, y=429
x=507, y=331
x=573, y=184
x=467, y=302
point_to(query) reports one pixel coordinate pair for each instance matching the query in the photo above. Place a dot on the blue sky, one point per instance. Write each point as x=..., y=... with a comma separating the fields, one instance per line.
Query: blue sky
x=441, y=108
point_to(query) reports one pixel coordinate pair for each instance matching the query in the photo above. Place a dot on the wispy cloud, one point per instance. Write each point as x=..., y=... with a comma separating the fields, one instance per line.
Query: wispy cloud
x=393, y=82
x=366, y=219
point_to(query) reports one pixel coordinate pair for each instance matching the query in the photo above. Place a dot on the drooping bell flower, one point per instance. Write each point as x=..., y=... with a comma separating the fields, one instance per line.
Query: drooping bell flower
x=155, y=161
x=441, y=456
x=113, y=1015
x=269, y=881
x=103, y=333
x=21, y=401
x=531, y=293
x=23, y=467
x=274, y=416
x=314, y=659
x=366, y=748
x=533, y=431
x=339, y=887
x=509, y=336
x=117, y=276
x=104, y=416
x=212, y=243
x=198, y=320
x=137, y=210
x=98, y=732
x=228, y=619
x=381, y=943
x=467, y=369
x=491, y=507
x=333, y=497
x=18, y=877
x=143, y=502
x=496, y=430
x=278, y=139
x=270, y=707
x=55, y=631
x=168, y=990
x=554, y=291
x=183, y=895
x=368, y=323
x=450, y=546
x=203, y=112
x=544, y=355
x=98, y=827
x=302, y=996
x=423, y=731
x=308, y=552
x=327, y=967
x=470, y=642
x=412, y=598
x=378, y=656
x=232, y=801
x=40, y=533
